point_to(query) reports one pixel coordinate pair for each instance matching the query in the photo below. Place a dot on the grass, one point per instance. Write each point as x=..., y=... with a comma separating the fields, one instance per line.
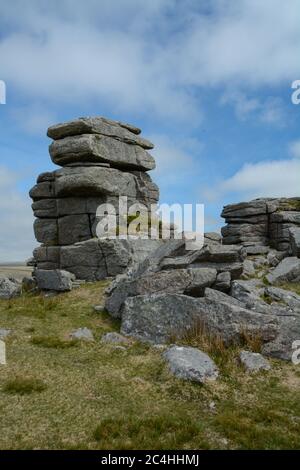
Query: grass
x=292, y=286
x=59, y=394
x=23, y=385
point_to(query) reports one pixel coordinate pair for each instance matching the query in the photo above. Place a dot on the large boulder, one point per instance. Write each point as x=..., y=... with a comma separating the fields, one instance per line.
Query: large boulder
x=99, y=148
x=9, y=288
x=288, y=270
x=159, y=317
x=179, y=281
x=190, y=364
x=54, y=280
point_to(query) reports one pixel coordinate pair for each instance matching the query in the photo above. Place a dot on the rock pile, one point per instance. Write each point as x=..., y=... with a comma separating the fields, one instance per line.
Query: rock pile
x=262, y=222
x=102, y=160
x=175, y=291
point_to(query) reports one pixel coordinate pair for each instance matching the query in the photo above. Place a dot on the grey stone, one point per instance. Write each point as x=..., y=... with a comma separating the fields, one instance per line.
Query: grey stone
x=274, y=257
x=28, y=284
x=221, y=254
x=257, y=250
x=54, y=280
x=223, y=282
x=97, y=148
x=99, y=308
x=190, y=364
x=294, y=233
x=46, y=231
x=4, y=333
x=248, y=269
x=158, y=317
x=99, y=125
x=189, y=281
x=73, y=229
x=114, y=338
x=9, y=288
x=291, y=299
x=43, y=190
x=245, y=209
x=253, y=362
x=235, y=269
x=219, y=296
x=45, y=208
x=83, y=334
x=288, y=270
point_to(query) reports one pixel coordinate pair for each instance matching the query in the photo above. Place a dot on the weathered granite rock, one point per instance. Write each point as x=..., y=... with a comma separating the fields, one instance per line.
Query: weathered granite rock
x=288, y=270
x=261, y=222
x=54, y=280
x=159, y=317
x=294, y=233
x=248, y=269
x=223, y=282
x=9, y=288
x=102, y=160
x=253, y=362
x=188, y=281
x=98, y=148
x=99, y=125
x=190, y=364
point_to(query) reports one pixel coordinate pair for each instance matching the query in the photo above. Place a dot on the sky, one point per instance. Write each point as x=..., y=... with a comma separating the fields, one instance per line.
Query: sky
x=208, y=81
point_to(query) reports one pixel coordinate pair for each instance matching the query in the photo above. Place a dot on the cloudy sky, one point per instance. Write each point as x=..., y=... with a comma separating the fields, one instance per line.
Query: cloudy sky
x=209, y=81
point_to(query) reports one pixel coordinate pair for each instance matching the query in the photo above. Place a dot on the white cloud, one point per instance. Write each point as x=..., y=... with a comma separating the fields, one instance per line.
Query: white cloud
x=16, y=234
x=269, y=111
x=263, y=179
x=147, y=57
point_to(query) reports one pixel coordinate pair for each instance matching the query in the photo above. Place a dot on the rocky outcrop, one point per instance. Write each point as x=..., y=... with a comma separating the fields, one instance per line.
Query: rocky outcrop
x=261, y=222
x=102, y=160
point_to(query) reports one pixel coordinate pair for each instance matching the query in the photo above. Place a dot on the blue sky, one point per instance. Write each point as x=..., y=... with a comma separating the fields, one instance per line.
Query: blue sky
x=209, y=82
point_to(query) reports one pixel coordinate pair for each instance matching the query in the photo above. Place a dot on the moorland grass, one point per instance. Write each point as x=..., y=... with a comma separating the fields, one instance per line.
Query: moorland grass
x=56, y=394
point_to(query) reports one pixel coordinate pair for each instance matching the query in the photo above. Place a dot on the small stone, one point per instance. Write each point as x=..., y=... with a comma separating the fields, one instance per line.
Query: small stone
x=4, y=332
x=9, y=288
x=82, y=334
x=113, y=337
x=191, y=364
x=253, y=362
x=99, y=308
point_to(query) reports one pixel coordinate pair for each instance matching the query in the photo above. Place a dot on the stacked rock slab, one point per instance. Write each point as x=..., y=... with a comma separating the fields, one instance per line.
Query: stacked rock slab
x=101, y=160
x=261, y=222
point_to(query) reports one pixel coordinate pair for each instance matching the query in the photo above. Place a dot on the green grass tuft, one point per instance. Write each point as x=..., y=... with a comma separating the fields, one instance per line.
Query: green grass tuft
x=24, y=385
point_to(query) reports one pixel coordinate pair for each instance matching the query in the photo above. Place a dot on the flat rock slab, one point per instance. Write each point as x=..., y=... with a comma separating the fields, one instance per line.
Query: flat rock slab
x=191, y=364
x=99, y=125
x=157, y=318
x=100, y=149
x=288, y=270
x=253, y=362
